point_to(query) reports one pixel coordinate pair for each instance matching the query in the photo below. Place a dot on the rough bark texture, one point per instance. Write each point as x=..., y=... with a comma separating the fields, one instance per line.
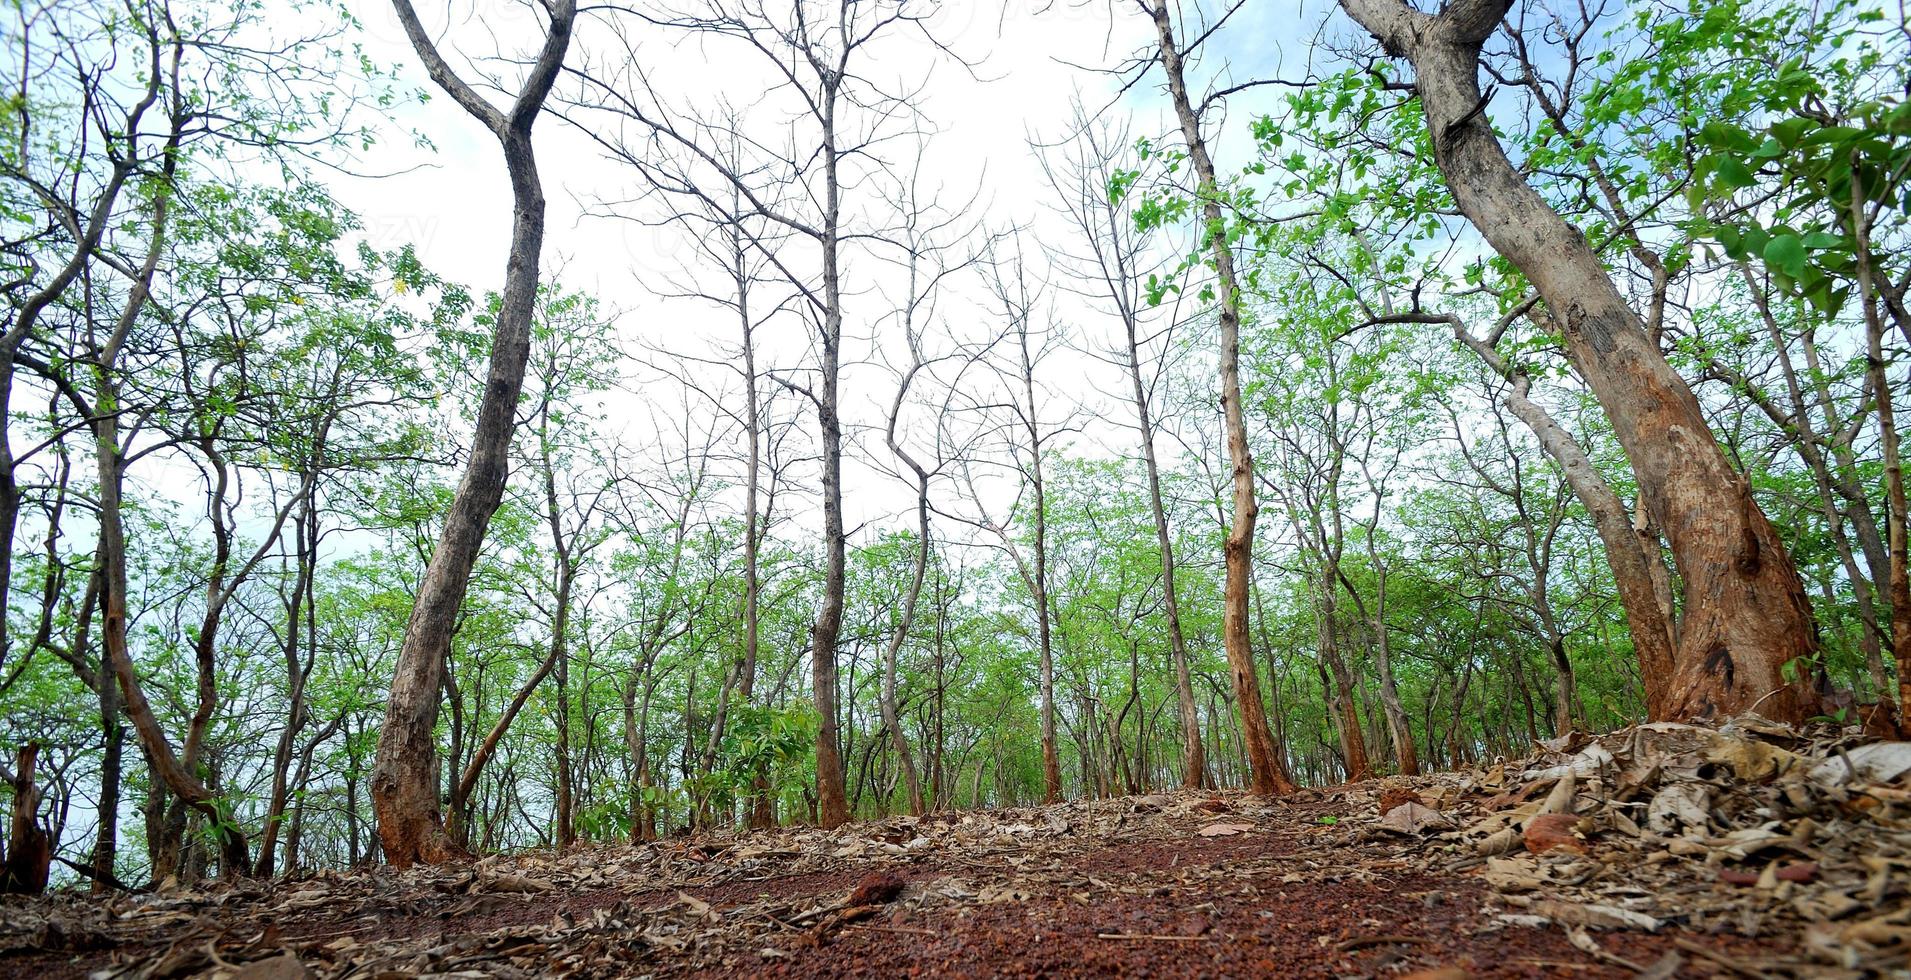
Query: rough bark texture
x=404, y=784
x=1746, y=613
x=1266, y=771
x=29, y=855
x=831, y=793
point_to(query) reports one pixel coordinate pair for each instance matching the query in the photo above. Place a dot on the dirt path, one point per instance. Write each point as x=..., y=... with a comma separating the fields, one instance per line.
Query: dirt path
x=1751, y=850
x=1165, y=886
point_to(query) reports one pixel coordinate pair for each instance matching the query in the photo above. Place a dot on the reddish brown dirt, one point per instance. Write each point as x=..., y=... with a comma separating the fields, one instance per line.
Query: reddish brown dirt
x=1275, y=901
x=1334, y=930
x=1252, y=925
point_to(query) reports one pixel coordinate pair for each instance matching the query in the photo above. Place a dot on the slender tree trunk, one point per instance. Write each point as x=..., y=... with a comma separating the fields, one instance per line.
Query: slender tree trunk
x=831, y=793
x=1638, y=572
x=106, y=841
x=1899, y=580
x=468, y=781
x=761, y=813
x=892, y=719
x=295, y=686
x=1194, y=763
x=564, y=803
x=1353, y=743
x=1266, y=773
x=565, y=564
x=1406, y=751
x=1038, y=578
x=178, y=776
x=1747, y=619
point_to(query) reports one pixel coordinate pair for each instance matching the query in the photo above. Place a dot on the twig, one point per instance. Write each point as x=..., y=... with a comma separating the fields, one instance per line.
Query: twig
x=1721, y=959
x=99, y=876
x=882, y=928
x=1149, y=935
x=1362, y=942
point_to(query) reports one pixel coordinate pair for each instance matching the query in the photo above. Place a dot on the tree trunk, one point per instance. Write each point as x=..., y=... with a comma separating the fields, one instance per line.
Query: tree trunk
x=178, y=776
x=831, y=793
x=1632, y=552
x=404, y=791
x=1747, y=619
x=1266, y=773
x=1194, y=762
x=1038, y=581
x=892, y=719
x=29, y=854
x=1898, y=582
x=761, y=814
x=1353, y=744
x=1400, y=731
x=305, y=548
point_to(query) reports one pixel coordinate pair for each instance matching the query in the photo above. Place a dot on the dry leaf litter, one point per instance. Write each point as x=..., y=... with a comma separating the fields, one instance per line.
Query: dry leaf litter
x=1752, y=849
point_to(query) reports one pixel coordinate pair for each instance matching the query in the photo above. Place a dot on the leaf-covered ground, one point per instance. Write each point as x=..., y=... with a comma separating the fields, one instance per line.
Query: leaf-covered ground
x=1660, y=851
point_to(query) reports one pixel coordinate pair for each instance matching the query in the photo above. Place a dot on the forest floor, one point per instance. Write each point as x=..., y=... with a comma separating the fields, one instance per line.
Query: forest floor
x=1660, y=851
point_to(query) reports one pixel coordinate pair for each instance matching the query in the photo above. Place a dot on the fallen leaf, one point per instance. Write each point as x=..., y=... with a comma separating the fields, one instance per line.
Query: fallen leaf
x=1512, y=875
x=1750, y=760
x=1879, y=762
x=1593, y=916
x=1553, y=831
x=1677, y=808
x=1412, y=818
x=1225, y=829
x=517, y=884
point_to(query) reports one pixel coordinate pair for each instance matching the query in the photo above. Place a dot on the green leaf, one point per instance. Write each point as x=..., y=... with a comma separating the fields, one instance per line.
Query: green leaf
x=1789, y=132
x=1786, y=253
x=1732, y=173
x=1726, y=136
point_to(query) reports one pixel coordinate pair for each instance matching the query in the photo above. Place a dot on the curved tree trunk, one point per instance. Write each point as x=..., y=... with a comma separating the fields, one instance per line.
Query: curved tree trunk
x=1747, y=619
x=404, y=790
x=1194, y=760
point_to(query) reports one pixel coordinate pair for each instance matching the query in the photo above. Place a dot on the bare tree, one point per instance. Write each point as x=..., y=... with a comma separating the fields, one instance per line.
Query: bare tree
x=1085, y=182
x=1030, y=445
x=930, y=259
x=816, y=53
x=404, y=778
x=733, y=236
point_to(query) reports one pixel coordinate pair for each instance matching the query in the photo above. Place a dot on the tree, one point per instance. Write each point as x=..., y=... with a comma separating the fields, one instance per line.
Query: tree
x=1266, y=771
x=815, y=53
x=1086, y=185
x=404, y=780
x=1030, y=438
x=1747, y=620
